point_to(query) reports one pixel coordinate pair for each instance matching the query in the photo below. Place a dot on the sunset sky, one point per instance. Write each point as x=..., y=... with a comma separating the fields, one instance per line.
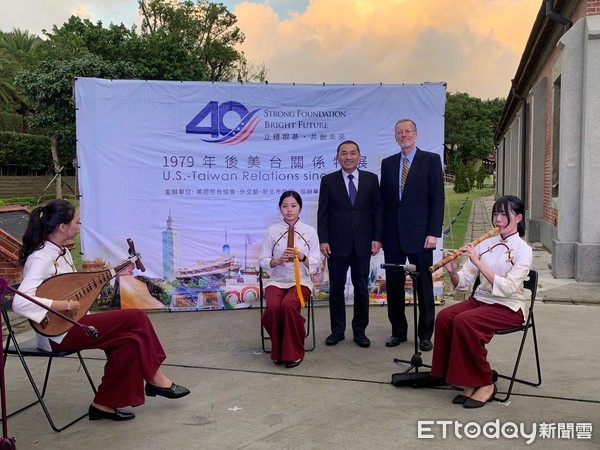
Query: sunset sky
x=473, y=45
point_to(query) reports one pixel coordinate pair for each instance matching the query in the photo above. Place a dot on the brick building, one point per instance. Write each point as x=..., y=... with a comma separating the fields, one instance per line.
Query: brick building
x=549, y=136
x=13, y=221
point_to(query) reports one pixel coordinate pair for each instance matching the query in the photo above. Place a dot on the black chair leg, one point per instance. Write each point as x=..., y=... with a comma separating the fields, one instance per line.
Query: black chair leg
x=310, y=328
x=40, y=395
x=513, y=379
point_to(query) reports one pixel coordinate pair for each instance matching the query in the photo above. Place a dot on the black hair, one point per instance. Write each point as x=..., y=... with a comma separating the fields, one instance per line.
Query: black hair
x=514, y=204
x=290, y=193
x=43, y=220
x=347, y=142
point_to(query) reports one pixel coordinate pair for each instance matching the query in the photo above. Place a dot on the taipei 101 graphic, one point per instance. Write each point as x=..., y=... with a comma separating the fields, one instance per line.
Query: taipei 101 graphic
x=170, y=245
x=211, y=271
x=217, y=283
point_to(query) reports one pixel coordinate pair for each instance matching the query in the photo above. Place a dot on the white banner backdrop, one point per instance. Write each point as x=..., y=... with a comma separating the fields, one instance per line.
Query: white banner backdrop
x=192, y=171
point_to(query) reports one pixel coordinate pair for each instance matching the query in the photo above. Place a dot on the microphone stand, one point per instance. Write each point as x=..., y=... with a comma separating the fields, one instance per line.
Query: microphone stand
x=416, y=378
x=415, y=361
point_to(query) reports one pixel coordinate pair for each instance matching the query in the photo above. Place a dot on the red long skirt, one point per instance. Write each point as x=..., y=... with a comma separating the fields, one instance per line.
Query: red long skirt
x=284, y=322
x=132, y=349
x=461, y=333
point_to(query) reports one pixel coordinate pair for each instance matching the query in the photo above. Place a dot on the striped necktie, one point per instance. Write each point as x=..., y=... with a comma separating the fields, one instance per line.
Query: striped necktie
x=405, y=169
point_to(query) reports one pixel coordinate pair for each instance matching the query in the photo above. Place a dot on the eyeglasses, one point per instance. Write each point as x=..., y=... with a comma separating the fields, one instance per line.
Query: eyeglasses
x=403, y=132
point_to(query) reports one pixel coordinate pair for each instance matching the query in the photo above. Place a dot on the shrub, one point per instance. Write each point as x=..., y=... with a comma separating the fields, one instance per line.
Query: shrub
x=24, y=154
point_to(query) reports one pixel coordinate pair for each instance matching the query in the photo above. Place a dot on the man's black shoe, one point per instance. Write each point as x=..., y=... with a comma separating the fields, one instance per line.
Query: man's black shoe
x=333, y=339
x=362, y=340
x=426, y=345
x=394, y=341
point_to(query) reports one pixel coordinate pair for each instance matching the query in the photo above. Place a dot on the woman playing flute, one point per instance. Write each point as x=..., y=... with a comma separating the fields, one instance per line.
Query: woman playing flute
x=282, y=318
x=462, y=330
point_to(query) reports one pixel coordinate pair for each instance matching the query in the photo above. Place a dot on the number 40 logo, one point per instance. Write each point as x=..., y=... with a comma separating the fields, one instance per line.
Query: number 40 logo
x=212, y=119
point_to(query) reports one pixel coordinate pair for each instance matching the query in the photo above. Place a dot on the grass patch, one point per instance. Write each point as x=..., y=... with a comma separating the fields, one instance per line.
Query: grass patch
x=453, y=203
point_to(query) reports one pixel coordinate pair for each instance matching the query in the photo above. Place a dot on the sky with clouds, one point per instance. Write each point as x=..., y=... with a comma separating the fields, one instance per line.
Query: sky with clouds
x=473, y=45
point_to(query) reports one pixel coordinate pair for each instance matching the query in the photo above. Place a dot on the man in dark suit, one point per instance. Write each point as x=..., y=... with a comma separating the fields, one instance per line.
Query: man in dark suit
x=349, y=225
x=412, y=192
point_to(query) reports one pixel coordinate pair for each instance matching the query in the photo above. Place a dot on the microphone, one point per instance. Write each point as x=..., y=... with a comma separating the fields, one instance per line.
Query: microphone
x=410, y=268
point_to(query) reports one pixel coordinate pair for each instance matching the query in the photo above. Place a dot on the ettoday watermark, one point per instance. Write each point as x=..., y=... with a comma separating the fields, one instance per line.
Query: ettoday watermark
x=431, y=429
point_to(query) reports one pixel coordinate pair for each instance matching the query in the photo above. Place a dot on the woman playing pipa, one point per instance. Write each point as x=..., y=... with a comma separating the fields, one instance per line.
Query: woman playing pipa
x=133, y=350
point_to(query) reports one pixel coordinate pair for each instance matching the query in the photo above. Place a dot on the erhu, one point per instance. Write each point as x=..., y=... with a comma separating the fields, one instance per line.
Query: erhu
x=452, y=256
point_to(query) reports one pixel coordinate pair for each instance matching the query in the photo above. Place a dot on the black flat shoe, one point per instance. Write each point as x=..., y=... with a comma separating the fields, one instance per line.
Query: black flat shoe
x=460, y=399
x=277, y=362
x=292, y=364
x=471, y=403
x=175, y=391
x=119, y=414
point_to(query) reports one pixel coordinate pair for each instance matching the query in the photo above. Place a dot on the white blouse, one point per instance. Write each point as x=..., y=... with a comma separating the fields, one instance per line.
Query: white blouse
x=510, y=260
x=274, y=244
x=42, y=264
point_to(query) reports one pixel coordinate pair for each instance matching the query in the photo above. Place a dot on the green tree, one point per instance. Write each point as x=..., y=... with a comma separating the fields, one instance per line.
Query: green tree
x=461, y=182
x=469, y=125
x=177, y=41
x=15, y=47
x=50, y=88
x=480, y=177
x=204, y=31
x=8, y=91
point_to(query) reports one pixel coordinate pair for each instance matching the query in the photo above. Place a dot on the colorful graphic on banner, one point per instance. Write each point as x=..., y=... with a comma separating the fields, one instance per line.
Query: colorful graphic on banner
x=193, y=171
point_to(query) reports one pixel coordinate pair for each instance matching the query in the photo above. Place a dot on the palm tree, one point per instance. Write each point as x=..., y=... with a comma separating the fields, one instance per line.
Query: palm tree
x=8, y=92
x=14, y=47
x=17, y=41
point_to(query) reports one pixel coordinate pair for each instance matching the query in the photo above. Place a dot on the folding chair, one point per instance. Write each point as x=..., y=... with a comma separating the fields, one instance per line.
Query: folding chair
x=310, y=318
x=29, y=348
x=531, y=285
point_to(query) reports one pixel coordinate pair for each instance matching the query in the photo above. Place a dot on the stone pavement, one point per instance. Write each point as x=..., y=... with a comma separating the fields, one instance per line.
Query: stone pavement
x=340, y=397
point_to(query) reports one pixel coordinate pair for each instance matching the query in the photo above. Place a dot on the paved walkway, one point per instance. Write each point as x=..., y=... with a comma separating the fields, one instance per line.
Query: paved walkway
x=340, y=397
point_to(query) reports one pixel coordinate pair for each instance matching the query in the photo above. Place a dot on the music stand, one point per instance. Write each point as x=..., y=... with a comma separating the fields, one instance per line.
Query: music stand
x=416, y=378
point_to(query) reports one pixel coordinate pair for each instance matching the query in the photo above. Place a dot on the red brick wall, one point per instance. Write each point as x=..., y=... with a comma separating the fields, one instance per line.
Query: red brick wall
x=592, y=8
x=585, y=8
x=550, y=214
x=10, y=272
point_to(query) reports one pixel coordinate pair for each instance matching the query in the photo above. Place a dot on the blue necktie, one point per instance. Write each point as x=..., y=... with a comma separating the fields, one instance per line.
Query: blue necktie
x=351, y=189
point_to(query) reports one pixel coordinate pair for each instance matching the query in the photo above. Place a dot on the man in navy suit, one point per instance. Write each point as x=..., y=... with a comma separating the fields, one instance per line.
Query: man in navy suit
x=412, y=222
x=349, y=225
